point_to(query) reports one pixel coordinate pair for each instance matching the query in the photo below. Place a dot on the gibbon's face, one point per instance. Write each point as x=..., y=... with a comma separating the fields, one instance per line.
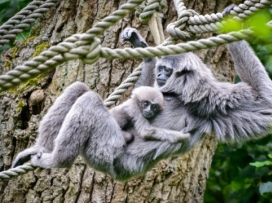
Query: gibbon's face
x=149, y=109
x=163, y=73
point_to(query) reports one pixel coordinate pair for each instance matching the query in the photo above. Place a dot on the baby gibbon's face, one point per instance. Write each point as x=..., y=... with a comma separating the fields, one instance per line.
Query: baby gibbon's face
x=149, y=109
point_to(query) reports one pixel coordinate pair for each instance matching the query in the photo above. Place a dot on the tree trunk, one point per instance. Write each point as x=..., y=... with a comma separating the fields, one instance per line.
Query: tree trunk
x=178, y=179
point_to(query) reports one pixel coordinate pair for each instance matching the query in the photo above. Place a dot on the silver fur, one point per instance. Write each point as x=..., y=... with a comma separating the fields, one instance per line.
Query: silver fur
x=130, y=118
x=194, y=102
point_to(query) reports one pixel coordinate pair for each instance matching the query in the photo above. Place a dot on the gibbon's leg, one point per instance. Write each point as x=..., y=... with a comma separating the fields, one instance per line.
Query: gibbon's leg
x=140, y=156
x=51, y=123
x=250, y=69
x=88, y=130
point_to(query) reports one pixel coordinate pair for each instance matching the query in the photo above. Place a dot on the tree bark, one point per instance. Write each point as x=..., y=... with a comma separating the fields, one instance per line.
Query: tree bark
x=178, y=179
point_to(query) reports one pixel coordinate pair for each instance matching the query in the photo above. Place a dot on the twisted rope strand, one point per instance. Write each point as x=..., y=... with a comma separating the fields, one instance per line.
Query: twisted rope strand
x=150, y=52
x=19, y=74
x=14, y=172
x=23, y=19
x=123, y=87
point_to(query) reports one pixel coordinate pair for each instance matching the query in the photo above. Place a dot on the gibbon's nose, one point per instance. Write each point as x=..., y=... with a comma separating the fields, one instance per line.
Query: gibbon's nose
x=148, y=113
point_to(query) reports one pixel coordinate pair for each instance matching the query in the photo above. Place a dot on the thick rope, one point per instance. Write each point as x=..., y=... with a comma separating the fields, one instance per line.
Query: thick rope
x=32, y=68
x=198, y=24
x=210, y=23
x=150, y=52
x=123, y=87
x=76, y=46
x=23, y=19
x=176, y=29
x=150, y=7
x=14, y=172
x=22, y=73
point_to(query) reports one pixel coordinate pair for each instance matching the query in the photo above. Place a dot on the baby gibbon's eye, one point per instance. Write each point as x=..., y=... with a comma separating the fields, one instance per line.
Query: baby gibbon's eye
x=145, y=103
x=155, y=107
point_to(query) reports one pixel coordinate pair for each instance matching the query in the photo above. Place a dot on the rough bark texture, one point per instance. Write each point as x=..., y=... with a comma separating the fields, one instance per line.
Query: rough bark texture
x=178, y=179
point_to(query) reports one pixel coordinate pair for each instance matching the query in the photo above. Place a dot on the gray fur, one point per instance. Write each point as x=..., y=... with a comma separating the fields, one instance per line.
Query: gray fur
x=51, y=123
x=130, y=118
x=194, y=102
x=81, y=133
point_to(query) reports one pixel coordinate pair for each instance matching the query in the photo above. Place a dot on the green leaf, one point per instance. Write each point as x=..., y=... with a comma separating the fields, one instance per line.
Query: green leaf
x=261, y=164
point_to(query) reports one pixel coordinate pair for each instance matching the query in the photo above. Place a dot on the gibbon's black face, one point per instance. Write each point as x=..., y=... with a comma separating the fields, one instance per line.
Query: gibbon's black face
x=163, y=73
x=149, y=109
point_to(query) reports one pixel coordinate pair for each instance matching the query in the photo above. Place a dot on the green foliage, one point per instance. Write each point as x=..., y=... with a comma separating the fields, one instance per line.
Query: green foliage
x=261, y=164
x=232, y=178
x=257, y=22
x=264, y=187
x=8, y=9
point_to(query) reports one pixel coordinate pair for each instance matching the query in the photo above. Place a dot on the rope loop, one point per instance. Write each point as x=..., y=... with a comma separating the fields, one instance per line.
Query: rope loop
x=148, y=8
x=175, y=29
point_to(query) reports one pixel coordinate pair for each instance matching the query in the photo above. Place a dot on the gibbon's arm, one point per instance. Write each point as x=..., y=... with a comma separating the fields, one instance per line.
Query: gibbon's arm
x=250, y=69
x=165, y=135
x=147, y=77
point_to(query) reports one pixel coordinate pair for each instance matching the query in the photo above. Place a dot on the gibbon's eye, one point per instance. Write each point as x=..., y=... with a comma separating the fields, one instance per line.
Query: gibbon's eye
x=168, y=71
x=155, y=107
x=160, y=68
x=145, y=103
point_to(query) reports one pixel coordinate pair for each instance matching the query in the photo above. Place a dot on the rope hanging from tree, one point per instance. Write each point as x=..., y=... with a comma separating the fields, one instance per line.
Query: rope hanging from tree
x=78, y=46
